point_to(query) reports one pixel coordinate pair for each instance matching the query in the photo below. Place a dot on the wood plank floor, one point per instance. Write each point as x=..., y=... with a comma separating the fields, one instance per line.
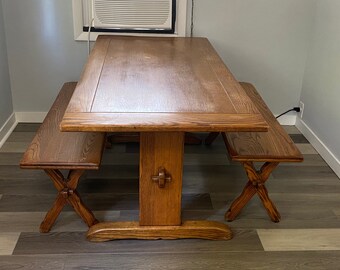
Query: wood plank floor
x=307, y=196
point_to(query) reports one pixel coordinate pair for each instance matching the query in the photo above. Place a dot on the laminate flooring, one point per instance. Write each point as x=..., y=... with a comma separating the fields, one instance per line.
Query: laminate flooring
x=307, y=195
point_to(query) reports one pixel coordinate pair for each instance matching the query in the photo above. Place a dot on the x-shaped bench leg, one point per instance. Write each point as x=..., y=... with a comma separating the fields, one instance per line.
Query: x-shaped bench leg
x=67, y=193
x=257, y=178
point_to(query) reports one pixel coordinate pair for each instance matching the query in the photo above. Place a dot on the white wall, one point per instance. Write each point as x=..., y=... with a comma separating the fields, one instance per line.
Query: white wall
x=262, y=41
x=321, y=85
x=6, y=108
x=41, y=51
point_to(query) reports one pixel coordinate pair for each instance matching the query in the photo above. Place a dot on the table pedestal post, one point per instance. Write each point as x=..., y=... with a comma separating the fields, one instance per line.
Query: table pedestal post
x=160, y=178
x=160, y=193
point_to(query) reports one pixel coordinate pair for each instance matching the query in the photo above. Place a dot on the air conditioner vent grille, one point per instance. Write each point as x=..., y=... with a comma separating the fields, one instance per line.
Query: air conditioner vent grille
x=133, y=13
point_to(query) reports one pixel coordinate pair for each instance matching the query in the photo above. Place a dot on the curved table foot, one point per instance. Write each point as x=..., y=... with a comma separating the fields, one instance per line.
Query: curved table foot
x=210, y=230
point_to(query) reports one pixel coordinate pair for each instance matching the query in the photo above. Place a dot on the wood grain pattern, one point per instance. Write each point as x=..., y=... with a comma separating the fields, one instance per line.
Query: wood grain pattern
x=167, y=122
x=67, y=221
x=209, y=261
x=86, y=87
x=274, y=145
x=294, y=240
x=241, y=102
x=12, y=147
x=307, y=195
x=21, y=137
x=300, y=260
x=32, y=262
x=154, y=72
x=257, y=179
x=8, y=242
x=67, y=194
x=210, y=230
x=271, y=147
x=133, y=84
x=62, y=243
x=52, y=149
x=97, y=201
x=161, y=206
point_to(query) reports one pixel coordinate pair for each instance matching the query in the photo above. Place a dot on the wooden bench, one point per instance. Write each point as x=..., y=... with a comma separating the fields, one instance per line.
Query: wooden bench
x=270, y=147
x=53, y=151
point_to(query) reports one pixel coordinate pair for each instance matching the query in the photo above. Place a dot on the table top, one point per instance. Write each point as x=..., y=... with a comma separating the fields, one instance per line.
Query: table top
x=158, y=84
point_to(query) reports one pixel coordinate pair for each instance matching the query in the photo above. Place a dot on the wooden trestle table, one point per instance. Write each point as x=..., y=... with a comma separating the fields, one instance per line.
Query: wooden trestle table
x=161, y=87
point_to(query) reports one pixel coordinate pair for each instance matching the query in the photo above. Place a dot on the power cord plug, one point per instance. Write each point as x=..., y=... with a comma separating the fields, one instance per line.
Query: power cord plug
x=295, y=109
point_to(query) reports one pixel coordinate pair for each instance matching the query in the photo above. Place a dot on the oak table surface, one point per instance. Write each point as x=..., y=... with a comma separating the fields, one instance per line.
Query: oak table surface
x=158, y=84
x=160, y=87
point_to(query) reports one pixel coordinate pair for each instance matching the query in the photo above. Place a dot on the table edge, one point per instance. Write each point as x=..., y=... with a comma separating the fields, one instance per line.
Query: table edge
x=157, y=122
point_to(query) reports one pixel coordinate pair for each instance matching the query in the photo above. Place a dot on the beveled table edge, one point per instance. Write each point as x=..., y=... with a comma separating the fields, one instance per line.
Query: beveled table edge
x=158, y=122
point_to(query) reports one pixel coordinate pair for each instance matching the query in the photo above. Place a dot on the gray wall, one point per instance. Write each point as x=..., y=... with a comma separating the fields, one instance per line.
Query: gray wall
x=321, y=85
x=262, y=41
x=6, y=108
x=42, y=52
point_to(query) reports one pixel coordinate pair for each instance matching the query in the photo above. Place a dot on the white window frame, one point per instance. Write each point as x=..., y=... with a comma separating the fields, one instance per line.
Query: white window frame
x=80, y=35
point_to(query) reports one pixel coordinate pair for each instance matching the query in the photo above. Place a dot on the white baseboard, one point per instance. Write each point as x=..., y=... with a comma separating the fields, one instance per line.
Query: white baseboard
x=7, y=128
x=322, y=149
x=287, y=120
x=30, y=117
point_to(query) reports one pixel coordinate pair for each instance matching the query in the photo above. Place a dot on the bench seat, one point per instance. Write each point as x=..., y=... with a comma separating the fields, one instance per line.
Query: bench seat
x=52, y=150
x=272, y=148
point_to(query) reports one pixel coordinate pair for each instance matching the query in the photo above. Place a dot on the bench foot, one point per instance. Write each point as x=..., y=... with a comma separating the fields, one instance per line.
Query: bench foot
x=67, y=194
x=255, y=185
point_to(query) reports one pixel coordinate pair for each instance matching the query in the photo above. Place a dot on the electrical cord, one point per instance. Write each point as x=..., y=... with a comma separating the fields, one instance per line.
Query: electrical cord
x=89, y=37
x=296, y=109
x=91, y=20
x=192, y=18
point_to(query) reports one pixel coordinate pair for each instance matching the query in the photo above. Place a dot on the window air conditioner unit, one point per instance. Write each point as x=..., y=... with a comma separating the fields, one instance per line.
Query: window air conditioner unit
x=148, y=15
